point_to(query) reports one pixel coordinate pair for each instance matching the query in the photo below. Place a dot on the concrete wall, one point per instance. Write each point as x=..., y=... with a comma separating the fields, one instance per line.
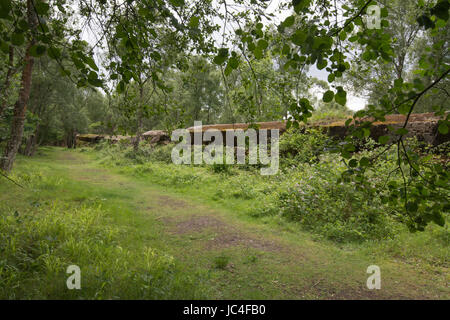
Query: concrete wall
x=424, y=126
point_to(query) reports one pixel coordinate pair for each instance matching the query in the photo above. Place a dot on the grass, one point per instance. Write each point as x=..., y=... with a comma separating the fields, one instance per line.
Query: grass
x=57, y=222
x=221, y=262
x=156, y=231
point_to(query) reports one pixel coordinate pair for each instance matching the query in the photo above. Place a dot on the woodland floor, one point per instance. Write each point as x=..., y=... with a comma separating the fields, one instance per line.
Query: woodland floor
x=265, y=261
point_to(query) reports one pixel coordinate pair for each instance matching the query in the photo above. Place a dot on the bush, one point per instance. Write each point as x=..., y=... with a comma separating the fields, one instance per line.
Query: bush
x=337, y=210
x=302, y=146
x=160, y=153
x=313, y=188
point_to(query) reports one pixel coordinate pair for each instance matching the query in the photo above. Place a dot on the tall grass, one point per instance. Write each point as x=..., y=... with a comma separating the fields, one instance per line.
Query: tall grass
x=308, y=190
x=41, y=236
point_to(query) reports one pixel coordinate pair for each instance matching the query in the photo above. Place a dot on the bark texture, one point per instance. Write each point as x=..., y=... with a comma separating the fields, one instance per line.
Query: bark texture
x=20, y=106
x=7, y=83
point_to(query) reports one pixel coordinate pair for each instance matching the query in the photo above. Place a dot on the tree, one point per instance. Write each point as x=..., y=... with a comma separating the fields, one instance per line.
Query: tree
x=24, y=94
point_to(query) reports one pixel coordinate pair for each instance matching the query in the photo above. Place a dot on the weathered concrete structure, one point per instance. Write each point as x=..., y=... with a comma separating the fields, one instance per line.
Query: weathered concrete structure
x=424, y=126
x=157, y=136
x=95, y=138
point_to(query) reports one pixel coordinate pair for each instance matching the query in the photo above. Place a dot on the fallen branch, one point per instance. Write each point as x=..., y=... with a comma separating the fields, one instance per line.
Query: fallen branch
x=8, y=178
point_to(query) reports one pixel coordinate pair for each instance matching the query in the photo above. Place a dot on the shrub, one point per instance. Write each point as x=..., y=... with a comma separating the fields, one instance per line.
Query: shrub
x=337, y=210
x=160, y=153
x=302, y=146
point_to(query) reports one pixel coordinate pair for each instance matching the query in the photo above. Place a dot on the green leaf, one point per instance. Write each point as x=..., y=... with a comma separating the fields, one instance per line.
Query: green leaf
x=95, y=82
x=90, y=62
x=341, y=97
x=383, y=139
x=404, y=109
x=37, y=50
x=41, y=7
x=323, y=43
x=93, y=75
x=17, y=39
x=438, y=218
x=353, y=39
x=328, y=96
x=348, y=122
x=366, y=132
x=5, y=8
x=120, y=87
x=233, y=62
x=228, y=70
x=398, y=83
x=221, y=56
x=194, y=21
x=155, y=55
x=350, y=147
x=288, y=124
x=54, y=53
x=321, y=63
x=262, y=44
x=345, y=154
x=364, y=162
x=402, y=131
x=4, y=47
x=331, y=77
x=425, y=21
x=443, y=128
x=385, y=23
x=177, y=3
x=299, y=37
x=289, y=21
x=412, y=206
x=258, y=53
x=286, y=49
x=418, y=84
x=353, y=163
x=440, y=10
x=300, y=5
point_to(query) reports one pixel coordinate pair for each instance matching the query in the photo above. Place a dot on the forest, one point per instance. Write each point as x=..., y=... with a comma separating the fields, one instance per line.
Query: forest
x=360, y=89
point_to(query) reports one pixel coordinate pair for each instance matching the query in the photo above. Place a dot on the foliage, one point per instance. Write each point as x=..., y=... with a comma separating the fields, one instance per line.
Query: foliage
x=42, y=238
x=334, y=209
x=309, y=190
x=149, y=59
x=298, y=146
x=274, y=245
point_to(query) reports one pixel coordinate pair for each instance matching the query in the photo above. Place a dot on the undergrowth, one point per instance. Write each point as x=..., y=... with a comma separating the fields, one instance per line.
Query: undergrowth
x=40, y=238
x=308, y=189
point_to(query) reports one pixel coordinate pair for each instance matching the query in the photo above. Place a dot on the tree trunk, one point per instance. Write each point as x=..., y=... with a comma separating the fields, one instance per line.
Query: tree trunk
x=139, y=120
x=71, y=139
x=20, y=107
x=31, y=145
x=7, y=82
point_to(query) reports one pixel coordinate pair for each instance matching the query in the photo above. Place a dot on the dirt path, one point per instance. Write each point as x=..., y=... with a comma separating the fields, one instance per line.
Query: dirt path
x=262, y=262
